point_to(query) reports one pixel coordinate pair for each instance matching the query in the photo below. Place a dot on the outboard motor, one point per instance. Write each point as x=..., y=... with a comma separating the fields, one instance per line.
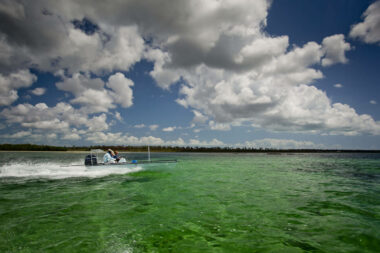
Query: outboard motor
x=90, y=160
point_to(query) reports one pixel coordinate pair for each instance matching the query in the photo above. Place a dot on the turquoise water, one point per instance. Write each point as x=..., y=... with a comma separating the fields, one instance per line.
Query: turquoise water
x=204, y=203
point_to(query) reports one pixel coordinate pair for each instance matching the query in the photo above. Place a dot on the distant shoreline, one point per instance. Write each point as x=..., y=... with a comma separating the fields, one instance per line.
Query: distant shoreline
x=86, y=149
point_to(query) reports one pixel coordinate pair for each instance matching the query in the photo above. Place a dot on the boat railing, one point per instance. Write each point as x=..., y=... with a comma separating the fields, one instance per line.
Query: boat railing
x=96, y=151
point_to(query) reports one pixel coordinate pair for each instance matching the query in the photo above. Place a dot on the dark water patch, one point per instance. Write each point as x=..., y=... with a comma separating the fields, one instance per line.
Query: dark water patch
x=340, y=193
x=144, y=177
x=326, y=208
x=365, y=176
x=305, y=246
x=359, y=239
x=136, y=180
x=12, y=183
x=153, y=174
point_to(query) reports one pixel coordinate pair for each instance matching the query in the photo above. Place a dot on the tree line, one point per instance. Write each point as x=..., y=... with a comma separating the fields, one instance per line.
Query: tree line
x=35, y=147
x=30, y=147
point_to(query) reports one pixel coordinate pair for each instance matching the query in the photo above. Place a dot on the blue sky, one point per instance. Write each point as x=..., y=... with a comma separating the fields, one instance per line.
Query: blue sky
x=280, y=74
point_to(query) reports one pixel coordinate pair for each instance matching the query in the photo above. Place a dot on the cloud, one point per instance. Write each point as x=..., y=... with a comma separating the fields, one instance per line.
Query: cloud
x=278, y=104
x=97, y=123
x=122, y=139
x=169, y=129
x=46, y=35
x=79, y=83
x=231, y=71
x=153, y=127
x=261, y=51
x=51, y=136
x=17, y=135
x=121, y=87
x=228, y=96
x=338, y=85
x=71, y=137
x=30, y=136
x=199, y=117
x=219, y=126
x=163, y=76
x=125, y=139
x=88, y=92
x=118, y=116
x=368, y=30
x=283, y=144
x=93, y=101
x=139, y=126
x=60, y=118
x=38, y=91
x=178, y=142
x=334, y=48
x=116, y=43
x=213, y=142
x=47, y=124
x=9, y=84
x=279, y=96
x=92, y=95
x=373, y=102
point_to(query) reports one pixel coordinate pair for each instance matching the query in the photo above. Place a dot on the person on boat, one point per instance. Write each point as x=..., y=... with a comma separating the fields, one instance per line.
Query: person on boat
x=108, y=157
x=116, y=157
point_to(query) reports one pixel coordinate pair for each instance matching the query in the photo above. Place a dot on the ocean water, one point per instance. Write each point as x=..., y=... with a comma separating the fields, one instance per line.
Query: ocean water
x=204, y=203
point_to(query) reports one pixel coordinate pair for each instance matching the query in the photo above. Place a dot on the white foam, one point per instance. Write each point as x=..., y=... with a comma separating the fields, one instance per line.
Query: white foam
x=60, y=171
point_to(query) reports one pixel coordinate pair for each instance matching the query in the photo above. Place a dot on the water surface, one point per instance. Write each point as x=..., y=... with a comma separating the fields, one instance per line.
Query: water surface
x=204, y=203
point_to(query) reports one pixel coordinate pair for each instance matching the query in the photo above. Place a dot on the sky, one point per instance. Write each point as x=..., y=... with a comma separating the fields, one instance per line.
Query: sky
x=237, y=73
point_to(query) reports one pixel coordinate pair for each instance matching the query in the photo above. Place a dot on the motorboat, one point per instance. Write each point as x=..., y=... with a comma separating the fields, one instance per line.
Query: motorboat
x=92, y=159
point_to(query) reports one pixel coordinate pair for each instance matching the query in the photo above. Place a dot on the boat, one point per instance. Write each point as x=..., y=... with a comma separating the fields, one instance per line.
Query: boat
x=92, y=160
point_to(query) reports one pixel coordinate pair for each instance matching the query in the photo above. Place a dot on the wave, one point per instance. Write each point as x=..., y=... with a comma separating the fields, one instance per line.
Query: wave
x=52, y=170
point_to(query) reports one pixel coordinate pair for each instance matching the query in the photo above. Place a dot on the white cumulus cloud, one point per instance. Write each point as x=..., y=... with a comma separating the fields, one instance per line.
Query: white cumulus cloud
x=219, y=126
x=231, y=71
x=153, y=127
x=42, y=34
x=9, y=84
x=169, y=129
x=121, y=87
x=71, y=136
x=92, y=95
x=61, y=118
x=283, y=144
x=334, y=48
x=213, y=142
x=38, y=91
x=17, y=135
x=199, y=117
x=368, y=30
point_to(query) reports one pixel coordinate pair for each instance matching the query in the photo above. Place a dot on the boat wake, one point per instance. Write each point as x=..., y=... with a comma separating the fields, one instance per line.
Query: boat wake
x=61, y=171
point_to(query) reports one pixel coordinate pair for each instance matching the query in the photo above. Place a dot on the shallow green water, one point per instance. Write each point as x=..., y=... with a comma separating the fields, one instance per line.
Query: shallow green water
x=204, y=203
